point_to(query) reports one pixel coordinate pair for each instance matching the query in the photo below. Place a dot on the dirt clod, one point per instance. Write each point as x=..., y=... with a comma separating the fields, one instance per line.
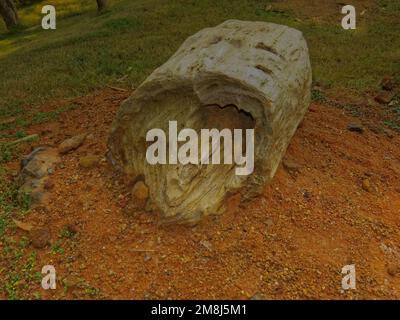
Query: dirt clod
x=388, y=83
x=40, y=237
x=71, y=143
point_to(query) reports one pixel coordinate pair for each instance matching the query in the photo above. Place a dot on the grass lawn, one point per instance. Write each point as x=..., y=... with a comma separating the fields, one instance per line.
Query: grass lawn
x=89, y=50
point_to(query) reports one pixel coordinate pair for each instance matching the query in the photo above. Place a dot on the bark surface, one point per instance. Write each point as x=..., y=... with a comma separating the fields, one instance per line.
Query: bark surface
x=236, y=75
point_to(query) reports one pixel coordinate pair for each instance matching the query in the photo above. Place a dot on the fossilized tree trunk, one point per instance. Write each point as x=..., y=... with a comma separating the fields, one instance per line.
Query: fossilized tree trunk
x=9, y=13
x=236, y=75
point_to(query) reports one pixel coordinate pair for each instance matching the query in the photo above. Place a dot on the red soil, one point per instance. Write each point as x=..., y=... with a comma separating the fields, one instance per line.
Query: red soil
x=291, y=242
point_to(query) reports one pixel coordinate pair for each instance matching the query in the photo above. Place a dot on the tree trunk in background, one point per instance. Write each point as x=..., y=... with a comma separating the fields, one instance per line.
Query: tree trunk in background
x=102, y=4
x=8, y=11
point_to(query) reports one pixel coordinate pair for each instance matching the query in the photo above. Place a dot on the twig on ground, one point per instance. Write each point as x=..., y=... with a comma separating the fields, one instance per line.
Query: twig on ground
x=116, y=88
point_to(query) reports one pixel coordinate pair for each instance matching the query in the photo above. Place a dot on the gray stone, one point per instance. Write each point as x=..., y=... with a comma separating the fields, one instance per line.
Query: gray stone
x=35, y=168
x=71, y=143
x=355, y=127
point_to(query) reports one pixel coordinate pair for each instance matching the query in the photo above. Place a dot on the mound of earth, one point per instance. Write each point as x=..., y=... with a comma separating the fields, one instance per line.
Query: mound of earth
x=334, y=201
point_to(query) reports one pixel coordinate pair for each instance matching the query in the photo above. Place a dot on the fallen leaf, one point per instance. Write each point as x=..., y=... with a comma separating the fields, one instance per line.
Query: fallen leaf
x=23, y=225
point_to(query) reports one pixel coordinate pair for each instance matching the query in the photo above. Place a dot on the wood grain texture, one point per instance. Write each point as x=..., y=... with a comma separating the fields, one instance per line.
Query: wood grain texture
x=220, y=77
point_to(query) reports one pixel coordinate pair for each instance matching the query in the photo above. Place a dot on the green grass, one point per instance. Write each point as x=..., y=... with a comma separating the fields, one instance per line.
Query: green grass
x=11, y=200
x=7, y=152
x=89, y=50
x=56, y=248
x=66, y=233
x=21, y=270
x=16, y=265
x=318, y=96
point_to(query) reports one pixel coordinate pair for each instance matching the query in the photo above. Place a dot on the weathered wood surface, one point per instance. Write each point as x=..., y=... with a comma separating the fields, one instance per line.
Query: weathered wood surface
x=260, y=68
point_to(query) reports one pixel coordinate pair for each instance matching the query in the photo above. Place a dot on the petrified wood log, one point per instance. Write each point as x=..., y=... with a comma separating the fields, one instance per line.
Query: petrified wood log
x=236, y=75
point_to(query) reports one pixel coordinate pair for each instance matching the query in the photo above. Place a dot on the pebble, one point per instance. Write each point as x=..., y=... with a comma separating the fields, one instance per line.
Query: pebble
x=140, y=191
x=71, y=143
x=291, y=166
x=89, y=161
x=206, y=244
x=366, y=185
x=147, y=258
x=257, y=297
x=355, y=127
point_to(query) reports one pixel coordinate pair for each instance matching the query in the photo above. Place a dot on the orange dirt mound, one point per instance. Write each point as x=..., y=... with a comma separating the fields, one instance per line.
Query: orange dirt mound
x=292, y=242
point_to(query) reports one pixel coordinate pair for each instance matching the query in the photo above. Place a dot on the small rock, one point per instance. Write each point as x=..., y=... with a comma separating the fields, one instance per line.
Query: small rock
x=90, y=136
x=206, y=244
x=366, y=185
x=368, y=173
x=71, y=143
x=36, y=167
x=291, y=166
x=257, y=297
x=88, y=161
x=307, y=195
x=393, y=270
x=268, y=7
x=355, y=127
x=269, y=222
x=140, y=191
x=40, y=237
x=39, y=161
